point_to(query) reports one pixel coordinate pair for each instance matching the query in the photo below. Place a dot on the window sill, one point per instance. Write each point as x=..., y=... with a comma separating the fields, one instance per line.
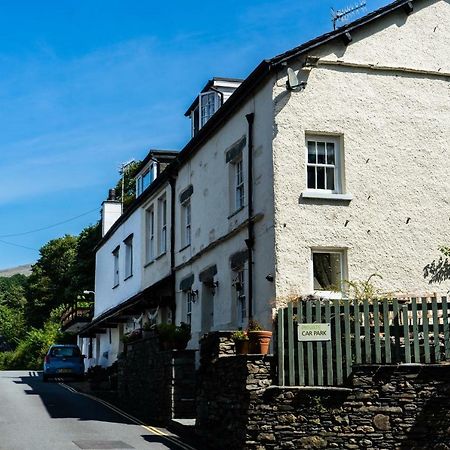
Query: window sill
x=184, y=248
x=116, y=285
x=149, y=263
x=160, y=256
x=128, y=277
x=327, y=196
x=236, y=212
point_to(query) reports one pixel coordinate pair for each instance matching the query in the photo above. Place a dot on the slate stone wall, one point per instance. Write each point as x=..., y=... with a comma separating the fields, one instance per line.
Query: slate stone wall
x=383, y=407
x=157, y=385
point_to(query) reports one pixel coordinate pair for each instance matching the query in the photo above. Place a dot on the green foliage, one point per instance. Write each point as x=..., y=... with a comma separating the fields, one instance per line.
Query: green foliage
x=50, y=280
x=12, y=291
x=31, y=350
x=129, y=184
x=239, y=335
x=254, y=325
x=363, y=290
x=12, y=325
x=439, y=270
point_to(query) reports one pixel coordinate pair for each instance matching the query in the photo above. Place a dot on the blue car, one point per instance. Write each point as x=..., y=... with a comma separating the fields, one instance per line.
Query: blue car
x=63, y=360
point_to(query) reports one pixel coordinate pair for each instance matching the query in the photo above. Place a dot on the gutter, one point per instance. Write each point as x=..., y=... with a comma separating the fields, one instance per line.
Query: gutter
x=250, y=241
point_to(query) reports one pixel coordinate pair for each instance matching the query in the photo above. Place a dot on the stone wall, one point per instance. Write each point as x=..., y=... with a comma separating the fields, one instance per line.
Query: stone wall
x=155, y=385
x=383, y=407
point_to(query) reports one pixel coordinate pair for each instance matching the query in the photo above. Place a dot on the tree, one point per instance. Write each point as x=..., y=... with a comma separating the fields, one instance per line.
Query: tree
x=129, y=184
x=49, y=284
x=439, y=270
x=83, y=267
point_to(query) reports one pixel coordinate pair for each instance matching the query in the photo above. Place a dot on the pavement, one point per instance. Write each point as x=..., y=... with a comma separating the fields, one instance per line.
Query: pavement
x=53, y=416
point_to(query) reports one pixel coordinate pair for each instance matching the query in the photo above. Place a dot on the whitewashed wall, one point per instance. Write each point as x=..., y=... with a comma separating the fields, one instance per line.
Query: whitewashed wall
x=396, y=134
x=208, y=172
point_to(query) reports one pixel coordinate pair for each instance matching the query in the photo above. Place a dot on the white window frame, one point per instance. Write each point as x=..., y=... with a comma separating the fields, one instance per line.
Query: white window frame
x=203, y=118
x=337, y=166
x=239, y=184
x=128, y=242
x=186, y=212
x=150, y=234
x=162, y=222
x=116, y=256
x=240, y=296
x=189, y=297
x=343, y=269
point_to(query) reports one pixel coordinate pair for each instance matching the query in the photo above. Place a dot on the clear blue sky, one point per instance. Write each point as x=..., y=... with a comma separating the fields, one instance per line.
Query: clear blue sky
x=88, y=84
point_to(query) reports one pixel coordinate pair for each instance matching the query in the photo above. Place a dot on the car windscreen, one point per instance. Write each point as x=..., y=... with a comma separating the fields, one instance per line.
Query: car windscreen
x=65, y=351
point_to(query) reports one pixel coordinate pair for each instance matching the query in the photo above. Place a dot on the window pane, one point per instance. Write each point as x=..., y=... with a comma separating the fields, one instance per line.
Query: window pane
x=321, y=152
x=311, y=152
x=330, y=178
x=311, y=177
x=320, y=178
x=327, y=271
x=330, y=153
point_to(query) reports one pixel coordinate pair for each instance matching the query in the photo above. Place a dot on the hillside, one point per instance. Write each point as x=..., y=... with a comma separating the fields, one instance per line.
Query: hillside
x=24, y=270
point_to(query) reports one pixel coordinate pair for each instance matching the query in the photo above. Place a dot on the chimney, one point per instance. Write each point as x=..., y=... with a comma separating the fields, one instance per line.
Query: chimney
x=111, y=211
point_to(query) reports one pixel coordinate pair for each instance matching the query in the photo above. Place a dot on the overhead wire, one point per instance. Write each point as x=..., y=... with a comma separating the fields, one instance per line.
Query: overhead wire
x=47, y=227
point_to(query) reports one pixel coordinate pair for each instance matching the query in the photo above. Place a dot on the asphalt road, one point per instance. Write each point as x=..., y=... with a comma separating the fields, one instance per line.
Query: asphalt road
x=47, y=416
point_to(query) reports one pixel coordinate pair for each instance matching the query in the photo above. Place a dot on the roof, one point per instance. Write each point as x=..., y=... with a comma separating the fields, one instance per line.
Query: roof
x=269, y=66
x=247, y=88
x=160, y=155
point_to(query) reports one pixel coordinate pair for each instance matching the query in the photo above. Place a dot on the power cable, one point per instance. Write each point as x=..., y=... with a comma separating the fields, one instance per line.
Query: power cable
x=47, y=227
x=18, y=245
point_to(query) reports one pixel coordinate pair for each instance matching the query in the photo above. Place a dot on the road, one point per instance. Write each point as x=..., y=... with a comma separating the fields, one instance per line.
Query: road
x=47, y=416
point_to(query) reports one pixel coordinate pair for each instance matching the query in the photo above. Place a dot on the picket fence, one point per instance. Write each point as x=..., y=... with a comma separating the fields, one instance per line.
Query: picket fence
x=387, y=331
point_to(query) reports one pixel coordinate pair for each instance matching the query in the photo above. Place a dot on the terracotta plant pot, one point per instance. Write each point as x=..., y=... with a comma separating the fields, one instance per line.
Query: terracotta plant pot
x=241, y=347
x=259, y=342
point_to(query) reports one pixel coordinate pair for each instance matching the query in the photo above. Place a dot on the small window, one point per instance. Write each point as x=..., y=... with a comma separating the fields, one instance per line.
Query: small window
x=162, y=220
x=323, y=163
x=116, y=266
x=186, y=223
x=146, y=179
x=241, y=301
x=239, y=186
x=128, y=256
x=150, y=234
x=328, y=270
x=189, y=299
x=209, y=104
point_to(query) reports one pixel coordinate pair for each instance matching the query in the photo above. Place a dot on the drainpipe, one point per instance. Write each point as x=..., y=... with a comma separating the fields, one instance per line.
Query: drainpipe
x=172, y=181
x=250, y=227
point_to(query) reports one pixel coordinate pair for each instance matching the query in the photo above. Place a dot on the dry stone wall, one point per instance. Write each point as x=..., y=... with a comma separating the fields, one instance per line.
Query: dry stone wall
x=403, y=407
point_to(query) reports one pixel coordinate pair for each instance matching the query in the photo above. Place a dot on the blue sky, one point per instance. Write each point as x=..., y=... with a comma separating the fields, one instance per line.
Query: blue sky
x=86, y=85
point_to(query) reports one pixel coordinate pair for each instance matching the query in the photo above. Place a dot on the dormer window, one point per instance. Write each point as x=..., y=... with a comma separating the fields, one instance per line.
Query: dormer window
x=213, y=95
x=209, y=104
x=144, y=180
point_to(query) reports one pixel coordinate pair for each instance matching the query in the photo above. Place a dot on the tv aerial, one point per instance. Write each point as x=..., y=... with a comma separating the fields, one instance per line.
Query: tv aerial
x=342, y=15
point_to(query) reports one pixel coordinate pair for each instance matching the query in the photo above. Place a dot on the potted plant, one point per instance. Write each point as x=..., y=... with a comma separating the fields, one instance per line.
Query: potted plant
x=166, y=333
x=182, y=336
x=240, y=339
x=148, y=330
x=259, y=339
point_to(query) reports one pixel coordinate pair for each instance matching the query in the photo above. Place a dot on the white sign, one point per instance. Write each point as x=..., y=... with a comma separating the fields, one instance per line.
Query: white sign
x=314, y=332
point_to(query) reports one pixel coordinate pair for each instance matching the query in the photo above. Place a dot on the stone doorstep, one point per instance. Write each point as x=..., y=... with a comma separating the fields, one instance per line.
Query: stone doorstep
x=183, y=427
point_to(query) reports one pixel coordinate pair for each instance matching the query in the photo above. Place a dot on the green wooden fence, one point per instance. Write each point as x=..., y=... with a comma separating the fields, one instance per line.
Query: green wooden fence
x=414, y=330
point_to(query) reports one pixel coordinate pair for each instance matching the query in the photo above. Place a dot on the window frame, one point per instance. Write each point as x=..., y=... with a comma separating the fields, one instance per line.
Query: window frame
x=239, y=183
x=150, y=234
x=116, y=266
x=338, y=163
x=342, y=252
x=203, y=118
x=129, y=266
x=189, y=300
x=162, y=224
x=240, y=296
x=186, y=221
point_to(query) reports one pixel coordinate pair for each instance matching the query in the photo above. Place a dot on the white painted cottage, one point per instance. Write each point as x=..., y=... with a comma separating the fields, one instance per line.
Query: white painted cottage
x=297, y=183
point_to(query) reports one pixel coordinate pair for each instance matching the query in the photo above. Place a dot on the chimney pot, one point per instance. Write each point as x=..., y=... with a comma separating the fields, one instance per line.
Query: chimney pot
x=112, y=194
